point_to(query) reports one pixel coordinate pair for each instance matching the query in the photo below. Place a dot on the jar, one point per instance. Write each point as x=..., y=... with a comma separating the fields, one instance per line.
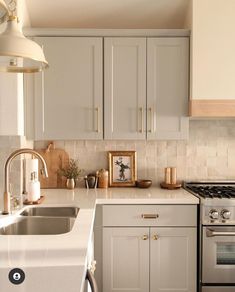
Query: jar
x=103, y=178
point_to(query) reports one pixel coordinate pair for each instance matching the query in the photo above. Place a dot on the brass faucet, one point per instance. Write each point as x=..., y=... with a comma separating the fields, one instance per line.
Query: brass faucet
x=7, y=195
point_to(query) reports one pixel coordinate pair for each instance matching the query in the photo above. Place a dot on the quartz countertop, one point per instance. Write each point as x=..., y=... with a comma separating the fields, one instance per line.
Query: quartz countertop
x=67, y=253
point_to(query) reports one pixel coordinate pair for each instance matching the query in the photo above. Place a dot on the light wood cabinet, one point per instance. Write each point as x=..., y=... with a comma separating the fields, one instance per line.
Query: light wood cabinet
x=212, y=59
x=147, y=103
x=69, y=95
x=149, y=259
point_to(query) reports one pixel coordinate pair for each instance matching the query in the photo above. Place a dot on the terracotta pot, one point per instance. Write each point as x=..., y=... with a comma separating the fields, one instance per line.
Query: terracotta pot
x=70, y=183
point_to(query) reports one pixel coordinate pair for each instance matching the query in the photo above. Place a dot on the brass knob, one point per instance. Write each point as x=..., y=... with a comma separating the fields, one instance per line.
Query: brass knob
x=145, y=237
x=155, y=237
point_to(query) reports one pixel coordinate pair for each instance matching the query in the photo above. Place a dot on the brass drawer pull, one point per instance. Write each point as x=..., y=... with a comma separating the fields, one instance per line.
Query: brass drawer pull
x=155, y=237
x=149, y=216
x=145, y=237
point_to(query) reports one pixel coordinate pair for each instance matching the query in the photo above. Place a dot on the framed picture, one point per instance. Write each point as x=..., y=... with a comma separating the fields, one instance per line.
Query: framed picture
x=122, y=168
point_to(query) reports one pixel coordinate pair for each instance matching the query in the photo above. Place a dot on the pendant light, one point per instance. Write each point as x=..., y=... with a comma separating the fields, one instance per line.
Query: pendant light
x=17, y=53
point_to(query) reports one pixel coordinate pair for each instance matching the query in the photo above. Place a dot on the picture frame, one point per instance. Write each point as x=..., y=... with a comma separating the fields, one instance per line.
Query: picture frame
x=122, y=168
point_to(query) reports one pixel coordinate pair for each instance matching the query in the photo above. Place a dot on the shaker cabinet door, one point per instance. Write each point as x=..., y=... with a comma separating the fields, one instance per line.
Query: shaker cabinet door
x=125, y=259
x=167, y=88
x=173, y=259
x=69, y=95
x=125, y=88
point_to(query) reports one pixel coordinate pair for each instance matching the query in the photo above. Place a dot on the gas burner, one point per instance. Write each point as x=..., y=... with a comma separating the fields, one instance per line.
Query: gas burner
x=212, y=191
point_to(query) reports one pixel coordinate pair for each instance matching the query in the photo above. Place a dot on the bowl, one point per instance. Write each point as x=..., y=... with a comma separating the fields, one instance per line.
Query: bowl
x=143, y=183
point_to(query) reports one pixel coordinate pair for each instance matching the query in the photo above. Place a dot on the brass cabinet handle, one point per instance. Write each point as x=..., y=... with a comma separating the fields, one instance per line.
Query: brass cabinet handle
x=151, y=120
x=142, y=119
x=149, y=216
x=97, y=119
x=155, y=237
x=145, y=237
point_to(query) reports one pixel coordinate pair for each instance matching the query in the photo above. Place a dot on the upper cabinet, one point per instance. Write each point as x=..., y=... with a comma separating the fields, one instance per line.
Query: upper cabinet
x=125, y=88
x=130, y=88
x=212, y=59
x=150, y=103
x=167, y=88
x=69, y=95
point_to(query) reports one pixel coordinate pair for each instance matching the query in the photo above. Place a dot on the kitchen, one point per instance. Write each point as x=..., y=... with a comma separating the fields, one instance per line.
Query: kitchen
x=189, y=125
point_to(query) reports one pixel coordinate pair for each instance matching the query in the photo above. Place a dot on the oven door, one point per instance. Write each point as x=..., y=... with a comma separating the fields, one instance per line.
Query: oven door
x=218, y=255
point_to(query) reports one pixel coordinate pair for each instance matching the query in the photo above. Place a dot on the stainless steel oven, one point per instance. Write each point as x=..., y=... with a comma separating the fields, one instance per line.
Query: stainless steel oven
x=216, y=272
x=218, y=255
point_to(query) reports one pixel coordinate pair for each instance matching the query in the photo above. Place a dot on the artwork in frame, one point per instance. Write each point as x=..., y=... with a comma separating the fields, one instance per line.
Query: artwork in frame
x=122, y=168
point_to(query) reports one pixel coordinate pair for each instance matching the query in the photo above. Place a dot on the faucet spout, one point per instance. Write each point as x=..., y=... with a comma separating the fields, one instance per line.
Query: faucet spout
x=7, y=195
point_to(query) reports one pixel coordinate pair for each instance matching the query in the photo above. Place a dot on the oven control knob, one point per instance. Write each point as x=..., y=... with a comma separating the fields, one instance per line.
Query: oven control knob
x=225, y=214
x=214, y=214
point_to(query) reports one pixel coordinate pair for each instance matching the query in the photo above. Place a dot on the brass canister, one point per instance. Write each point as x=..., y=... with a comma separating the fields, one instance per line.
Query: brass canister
x=103, y=178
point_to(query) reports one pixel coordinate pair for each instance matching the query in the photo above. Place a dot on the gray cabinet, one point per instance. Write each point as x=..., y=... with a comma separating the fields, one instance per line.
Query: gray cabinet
x=167, y=88
x=143, y=81
x=125, y=259
x=125, y=88
x=69, y=95
x=173, y=259
x=154, y=252
x=146, y=88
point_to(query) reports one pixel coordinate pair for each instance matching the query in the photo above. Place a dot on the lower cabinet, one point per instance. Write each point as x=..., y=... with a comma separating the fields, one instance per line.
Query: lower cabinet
x=172, y=259
x=149, y=258
x=125, y=259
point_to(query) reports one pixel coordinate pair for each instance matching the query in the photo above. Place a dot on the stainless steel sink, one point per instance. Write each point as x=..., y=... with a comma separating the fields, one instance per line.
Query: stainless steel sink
x=38, y=226
x=51, y=211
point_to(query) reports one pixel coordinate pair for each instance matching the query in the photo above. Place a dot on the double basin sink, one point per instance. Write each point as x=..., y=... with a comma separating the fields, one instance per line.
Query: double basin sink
x=41, y=221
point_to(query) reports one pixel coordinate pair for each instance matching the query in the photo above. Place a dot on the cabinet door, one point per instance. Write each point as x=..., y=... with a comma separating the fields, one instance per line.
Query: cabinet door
x=125, y=259
x=125, y=88
x=173, y=259
x=68, y=96
x=167, y=87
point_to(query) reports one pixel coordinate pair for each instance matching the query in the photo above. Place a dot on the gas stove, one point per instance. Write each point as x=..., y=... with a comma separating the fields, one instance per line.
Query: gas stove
x=217, y=201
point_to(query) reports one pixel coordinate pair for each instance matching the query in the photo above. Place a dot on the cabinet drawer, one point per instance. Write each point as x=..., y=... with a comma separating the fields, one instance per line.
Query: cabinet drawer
x=149, y=215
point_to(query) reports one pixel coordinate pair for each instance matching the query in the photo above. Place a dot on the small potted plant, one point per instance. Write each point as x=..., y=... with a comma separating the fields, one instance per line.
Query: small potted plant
x=71, y=172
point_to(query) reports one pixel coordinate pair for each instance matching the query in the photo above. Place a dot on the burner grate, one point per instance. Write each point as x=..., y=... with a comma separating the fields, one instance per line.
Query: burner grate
x=210, y=192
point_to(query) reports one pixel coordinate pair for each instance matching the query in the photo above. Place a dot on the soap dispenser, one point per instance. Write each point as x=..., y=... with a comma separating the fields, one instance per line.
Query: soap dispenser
x=33, y=188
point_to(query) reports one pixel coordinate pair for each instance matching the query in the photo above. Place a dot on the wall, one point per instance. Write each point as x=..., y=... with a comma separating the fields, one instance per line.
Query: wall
x=213, y=47
x=208, y=154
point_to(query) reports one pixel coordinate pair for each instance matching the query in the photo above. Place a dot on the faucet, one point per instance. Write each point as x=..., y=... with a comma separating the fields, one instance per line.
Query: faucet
x=7, y=195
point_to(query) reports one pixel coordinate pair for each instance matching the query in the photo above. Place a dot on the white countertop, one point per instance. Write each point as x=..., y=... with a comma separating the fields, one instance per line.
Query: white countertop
x=68, y=252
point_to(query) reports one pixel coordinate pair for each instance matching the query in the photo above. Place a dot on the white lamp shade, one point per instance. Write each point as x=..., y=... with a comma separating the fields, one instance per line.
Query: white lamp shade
x=13, y=44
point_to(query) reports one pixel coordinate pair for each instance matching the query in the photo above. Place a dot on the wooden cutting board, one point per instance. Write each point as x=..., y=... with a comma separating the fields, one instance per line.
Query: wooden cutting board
x=55, y=158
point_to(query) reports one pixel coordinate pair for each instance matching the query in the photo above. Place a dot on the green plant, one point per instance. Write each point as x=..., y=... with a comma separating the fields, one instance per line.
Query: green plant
x=71, y=170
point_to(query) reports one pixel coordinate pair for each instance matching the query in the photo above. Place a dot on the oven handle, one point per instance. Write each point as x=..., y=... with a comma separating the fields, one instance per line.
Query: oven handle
x=91, y=279
x=212, y=233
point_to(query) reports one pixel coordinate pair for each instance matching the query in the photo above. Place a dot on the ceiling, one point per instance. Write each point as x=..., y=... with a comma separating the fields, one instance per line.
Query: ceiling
x=108, y=13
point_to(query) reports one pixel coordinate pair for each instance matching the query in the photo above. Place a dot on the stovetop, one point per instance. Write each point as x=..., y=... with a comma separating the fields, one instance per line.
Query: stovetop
x=211, y=191
x=217, y=201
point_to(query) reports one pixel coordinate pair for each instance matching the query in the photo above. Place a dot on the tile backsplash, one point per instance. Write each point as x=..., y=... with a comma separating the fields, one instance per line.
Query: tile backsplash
x=209, y=153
